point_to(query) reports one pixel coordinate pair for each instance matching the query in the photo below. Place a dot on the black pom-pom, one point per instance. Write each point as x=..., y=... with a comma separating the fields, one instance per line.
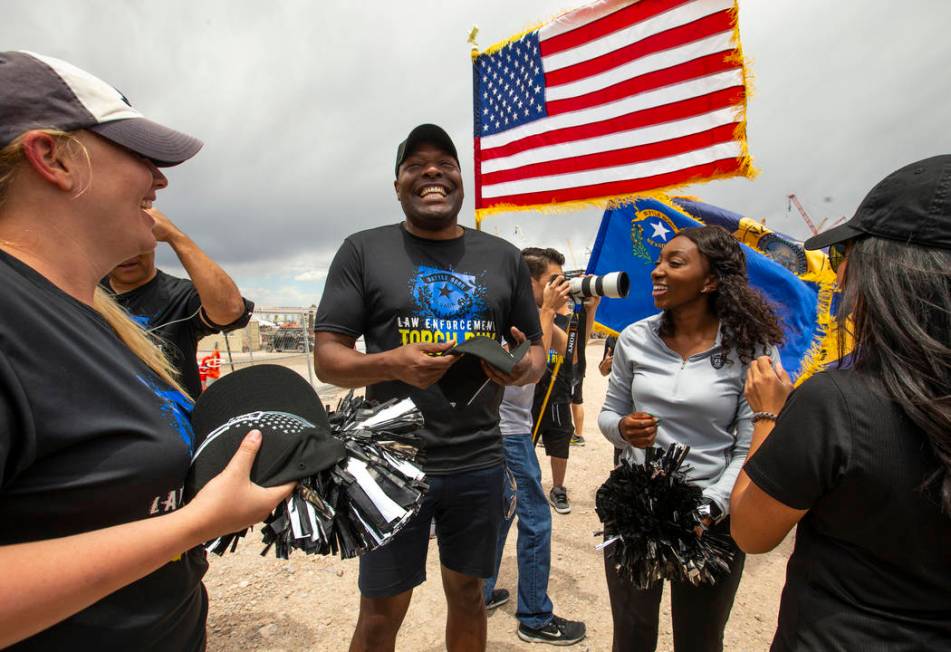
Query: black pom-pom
x=651, y=523
x=362, y=501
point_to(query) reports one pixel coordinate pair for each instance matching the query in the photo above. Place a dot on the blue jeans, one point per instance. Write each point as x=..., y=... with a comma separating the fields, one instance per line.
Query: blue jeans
x=534, y=534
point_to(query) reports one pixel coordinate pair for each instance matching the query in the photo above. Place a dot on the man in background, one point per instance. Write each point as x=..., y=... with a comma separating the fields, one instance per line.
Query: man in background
x=537, y=621
x=177, y=311
x=554, y=415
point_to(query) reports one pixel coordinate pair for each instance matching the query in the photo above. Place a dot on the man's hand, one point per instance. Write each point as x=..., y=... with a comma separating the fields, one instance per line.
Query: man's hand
x=163, y=229
x=521, y=369
x=639, y=429
x=555, y=294
x=605, y=365
x=767, y=388
x=420, y=365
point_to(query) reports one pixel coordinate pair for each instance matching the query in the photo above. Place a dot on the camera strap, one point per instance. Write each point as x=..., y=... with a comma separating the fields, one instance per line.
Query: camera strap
x=566, y=361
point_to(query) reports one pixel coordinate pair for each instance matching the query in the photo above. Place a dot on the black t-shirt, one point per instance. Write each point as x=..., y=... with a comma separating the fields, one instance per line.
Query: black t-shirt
x=561, y=392
x=169, y=308
x=871, y=569
x=395, y=288
x=91, y=438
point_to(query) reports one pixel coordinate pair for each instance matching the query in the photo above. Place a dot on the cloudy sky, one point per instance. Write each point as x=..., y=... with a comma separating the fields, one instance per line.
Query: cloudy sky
x=301, y=105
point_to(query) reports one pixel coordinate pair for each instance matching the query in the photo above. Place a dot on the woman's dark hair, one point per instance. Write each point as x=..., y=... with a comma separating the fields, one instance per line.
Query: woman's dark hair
x=898, y=297
x=539, y=259
x=747, y=322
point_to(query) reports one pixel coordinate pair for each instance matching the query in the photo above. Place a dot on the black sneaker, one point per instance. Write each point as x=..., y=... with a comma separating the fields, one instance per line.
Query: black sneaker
x=499, y=597
x=558, y=498
x=558, y=632
x=577, y=440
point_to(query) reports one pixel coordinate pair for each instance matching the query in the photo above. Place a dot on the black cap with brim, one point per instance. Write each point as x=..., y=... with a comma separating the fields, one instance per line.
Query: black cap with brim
x=833, y=236
x=426, y=133
x=296, y=440
x=162, y=145
x=465, y=380
x=911, y=205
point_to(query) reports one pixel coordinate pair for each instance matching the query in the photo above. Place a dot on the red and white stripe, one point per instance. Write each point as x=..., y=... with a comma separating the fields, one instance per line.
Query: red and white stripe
x=640, y=95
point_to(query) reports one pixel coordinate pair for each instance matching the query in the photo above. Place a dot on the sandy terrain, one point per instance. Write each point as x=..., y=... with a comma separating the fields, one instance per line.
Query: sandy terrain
x=310, y=603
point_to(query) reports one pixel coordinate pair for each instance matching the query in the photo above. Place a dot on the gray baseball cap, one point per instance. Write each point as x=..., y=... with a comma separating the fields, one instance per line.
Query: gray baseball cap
x=40, y=92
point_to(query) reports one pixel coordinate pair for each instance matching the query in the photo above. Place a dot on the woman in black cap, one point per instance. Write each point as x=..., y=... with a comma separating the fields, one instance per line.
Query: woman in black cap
x=95, y=440
x=860, y=456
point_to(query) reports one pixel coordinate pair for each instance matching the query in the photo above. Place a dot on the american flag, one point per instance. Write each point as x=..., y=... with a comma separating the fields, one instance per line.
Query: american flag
x=612, y=99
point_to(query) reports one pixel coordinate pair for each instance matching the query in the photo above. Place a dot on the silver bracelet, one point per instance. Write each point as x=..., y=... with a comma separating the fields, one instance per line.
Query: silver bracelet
x=763, y=416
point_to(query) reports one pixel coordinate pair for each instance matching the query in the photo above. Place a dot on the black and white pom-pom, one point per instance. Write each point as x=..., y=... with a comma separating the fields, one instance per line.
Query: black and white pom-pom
x=362, y=501
x=650, y=518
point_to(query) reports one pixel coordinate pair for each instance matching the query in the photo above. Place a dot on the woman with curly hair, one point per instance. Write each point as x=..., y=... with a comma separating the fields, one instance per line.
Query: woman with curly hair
x=858, y=458
x=678, y=376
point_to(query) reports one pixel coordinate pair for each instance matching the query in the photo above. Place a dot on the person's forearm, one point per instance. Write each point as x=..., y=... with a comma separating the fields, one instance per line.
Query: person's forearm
x=344, y=366
x=220, y=297
x=45, y=582
x=588, y=327
x=547, y=318
x=608, y=422
x=761, y=430
x=539, y=364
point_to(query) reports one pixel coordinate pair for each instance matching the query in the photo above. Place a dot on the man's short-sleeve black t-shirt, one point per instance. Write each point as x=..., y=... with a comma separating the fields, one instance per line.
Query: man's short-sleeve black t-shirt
x=871, y=569
x=169, y=308
x=91, y=438
x=395, y=288
x=561, y=392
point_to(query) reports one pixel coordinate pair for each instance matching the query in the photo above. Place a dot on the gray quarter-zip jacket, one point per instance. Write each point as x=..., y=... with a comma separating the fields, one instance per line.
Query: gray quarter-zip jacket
x=700, y=401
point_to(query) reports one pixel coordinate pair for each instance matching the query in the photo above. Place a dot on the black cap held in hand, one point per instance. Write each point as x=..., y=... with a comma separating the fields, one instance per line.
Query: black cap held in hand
x=911, y=205
x=296, y=440
x=465, y=380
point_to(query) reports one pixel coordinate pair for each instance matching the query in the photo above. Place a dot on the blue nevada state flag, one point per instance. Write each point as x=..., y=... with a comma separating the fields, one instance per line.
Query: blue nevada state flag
x=799, y=284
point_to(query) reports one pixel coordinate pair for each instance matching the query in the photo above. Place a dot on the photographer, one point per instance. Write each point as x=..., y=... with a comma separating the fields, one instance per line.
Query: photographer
x=555, y=417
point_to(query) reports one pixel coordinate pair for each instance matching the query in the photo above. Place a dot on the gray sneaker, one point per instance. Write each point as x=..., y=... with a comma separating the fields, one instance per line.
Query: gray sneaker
x=558, y=632
x=558, y=498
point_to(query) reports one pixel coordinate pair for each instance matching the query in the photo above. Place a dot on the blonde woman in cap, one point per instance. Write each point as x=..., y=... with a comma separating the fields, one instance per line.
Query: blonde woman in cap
x=859, y=457
x=95, y=441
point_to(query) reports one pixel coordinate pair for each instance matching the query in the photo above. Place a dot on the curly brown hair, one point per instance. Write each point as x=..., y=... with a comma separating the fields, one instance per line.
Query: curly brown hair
x=747, y=321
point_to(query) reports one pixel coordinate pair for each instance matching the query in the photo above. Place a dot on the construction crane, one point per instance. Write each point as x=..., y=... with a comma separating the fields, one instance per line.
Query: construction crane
x=792, y=200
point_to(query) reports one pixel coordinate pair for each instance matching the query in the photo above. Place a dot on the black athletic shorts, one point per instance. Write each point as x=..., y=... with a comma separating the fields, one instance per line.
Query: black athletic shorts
x=556, y=430
x=468, y=508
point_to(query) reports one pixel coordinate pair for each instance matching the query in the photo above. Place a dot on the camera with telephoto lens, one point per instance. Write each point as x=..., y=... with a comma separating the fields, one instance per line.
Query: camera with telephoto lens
x=614, y=285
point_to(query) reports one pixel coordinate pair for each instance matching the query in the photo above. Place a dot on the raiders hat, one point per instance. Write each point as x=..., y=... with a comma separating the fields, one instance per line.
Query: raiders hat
x=296, y=440
x=40, y=92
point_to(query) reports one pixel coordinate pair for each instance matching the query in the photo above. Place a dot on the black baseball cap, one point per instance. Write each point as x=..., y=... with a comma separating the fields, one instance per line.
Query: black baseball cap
x=41, y=92
x=912, y=205
x=427, y=133
x=296, y=440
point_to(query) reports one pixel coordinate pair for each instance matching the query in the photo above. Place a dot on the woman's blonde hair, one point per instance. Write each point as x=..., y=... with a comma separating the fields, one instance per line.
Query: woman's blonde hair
x=130, y=333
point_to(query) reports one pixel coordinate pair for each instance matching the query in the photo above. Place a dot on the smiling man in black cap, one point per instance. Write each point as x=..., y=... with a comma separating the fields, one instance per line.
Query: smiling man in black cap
x=412, y=290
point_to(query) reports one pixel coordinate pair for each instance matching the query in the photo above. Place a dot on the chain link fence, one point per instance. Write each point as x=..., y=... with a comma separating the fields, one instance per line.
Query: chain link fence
x=282, y=336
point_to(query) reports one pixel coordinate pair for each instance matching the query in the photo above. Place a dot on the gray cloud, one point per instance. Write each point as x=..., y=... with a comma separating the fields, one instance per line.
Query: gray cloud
x=301, y=105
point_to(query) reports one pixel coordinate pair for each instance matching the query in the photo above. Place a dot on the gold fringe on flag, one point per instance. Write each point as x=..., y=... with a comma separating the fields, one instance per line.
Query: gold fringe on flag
x=746, y=168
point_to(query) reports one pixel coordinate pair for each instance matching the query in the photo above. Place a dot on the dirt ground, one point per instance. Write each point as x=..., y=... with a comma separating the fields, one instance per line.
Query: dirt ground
x=310, y=603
